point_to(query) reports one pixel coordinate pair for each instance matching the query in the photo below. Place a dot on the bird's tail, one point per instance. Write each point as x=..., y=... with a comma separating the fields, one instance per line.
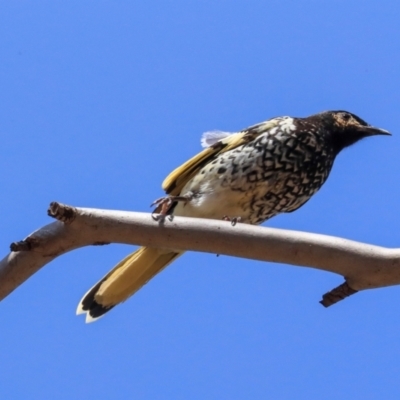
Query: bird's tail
x=126, y=278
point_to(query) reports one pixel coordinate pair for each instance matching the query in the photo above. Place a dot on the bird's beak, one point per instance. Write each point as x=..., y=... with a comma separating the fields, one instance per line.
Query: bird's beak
x=372, y=130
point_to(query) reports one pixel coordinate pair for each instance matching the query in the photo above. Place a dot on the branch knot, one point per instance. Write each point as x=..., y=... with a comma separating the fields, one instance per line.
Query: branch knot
x=62, y=212
x=337, y=294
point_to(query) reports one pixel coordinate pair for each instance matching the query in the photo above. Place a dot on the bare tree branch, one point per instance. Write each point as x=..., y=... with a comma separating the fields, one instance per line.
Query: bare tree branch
x=362, y=265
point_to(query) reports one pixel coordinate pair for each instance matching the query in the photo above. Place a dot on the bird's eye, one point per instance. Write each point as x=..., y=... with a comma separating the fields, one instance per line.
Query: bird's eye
x=346, y=117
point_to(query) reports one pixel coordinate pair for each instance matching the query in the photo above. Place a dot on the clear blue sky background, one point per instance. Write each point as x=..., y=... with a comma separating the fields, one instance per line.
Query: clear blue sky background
x=100, y=101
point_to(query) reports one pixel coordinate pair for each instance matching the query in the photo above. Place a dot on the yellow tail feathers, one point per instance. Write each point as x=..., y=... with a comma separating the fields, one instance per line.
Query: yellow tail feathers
x=125, y=279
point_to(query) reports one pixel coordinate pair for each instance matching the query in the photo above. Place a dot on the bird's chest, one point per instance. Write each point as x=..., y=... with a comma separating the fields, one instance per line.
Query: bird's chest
x=259, y=180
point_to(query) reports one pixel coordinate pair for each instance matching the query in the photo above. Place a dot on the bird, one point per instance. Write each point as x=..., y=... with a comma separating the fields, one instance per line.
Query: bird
x=249, y=176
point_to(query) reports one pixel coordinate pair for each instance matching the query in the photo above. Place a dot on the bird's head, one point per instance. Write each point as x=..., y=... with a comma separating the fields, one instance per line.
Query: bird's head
x=346, y=128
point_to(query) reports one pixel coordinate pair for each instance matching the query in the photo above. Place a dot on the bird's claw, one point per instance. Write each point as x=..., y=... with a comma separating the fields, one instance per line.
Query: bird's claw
x=161, y=201
x=165, y=204
x=157, y=217
x=161, y=217
x=233, y=220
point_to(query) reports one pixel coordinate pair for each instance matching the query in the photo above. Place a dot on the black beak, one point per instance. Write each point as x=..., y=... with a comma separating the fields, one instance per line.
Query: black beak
x=371, y=131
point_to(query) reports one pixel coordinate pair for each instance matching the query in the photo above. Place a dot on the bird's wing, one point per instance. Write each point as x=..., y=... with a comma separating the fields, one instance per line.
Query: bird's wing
x=177, y=179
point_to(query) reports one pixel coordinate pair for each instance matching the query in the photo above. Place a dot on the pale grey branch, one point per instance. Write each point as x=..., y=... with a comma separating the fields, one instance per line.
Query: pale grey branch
x=362, y=265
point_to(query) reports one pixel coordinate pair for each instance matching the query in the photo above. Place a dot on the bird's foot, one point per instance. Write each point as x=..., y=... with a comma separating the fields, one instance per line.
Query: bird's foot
x=233, y=220
x=164, y=204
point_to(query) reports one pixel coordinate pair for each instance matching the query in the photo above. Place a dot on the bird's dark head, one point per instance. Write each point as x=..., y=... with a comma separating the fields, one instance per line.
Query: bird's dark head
x=346, y=128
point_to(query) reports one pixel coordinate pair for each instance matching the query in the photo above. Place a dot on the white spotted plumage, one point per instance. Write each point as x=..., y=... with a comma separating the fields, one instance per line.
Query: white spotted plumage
x=254, y=180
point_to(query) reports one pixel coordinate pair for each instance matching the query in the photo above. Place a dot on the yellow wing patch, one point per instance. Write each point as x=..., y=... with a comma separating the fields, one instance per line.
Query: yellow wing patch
x=177, y=179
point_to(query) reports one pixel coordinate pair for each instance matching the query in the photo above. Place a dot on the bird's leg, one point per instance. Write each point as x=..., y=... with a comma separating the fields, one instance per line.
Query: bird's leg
x=164, y=204
x=233, y=220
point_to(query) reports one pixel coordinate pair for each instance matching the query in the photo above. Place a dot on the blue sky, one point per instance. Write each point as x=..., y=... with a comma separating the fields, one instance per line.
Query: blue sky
x=100, y=101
